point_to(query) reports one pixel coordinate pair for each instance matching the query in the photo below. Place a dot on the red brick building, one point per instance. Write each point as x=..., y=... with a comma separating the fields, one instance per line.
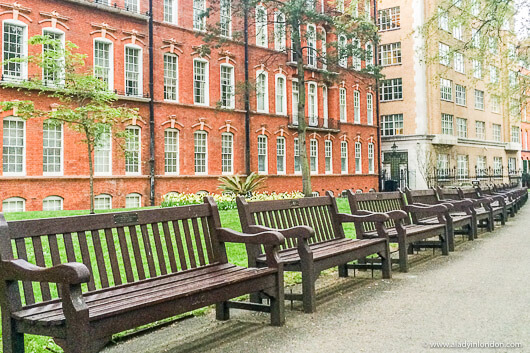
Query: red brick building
x=198, y=123
x=525, y=130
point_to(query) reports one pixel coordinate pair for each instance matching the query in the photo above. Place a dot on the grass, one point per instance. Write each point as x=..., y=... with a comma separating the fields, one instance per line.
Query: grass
x=236, y=254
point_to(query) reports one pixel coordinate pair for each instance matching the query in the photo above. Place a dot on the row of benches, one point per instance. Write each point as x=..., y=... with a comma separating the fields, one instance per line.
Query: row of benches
x=81, y=279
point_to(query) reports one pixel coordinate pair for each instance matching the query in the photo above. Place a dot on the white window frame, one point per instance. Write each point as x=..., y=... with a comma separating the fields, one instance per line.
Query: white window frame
x=462, y=167
x=263, y=143
x=392, y=125
x=392, y=87
x=61, y=154
x=102, y=197
x=369, y=108
x=262, y=36
x=15, y=199
x=24, y=144
x=312, y=103
x=477, y=69
x=495, y=103
x=343, y=54
x=98, y=149
x=206, y=87
x=138, y=151
x=448, y=124
x=167, y=78
x=344, y=157
x=461, y=127
x=52, y=199
x=279, y=31
x=174, y=12
x=140, y=69
x=356, y=58
x=328, y=155
x=232, y=99
x=174, y=133
x=136, y=3
x=225, y=148
x=199, y=23
x=390, y=54
x=280, y=154
x=280, y=92
x=515, y=134
x=313, y=156
x=459, y=63
x=497, y=132
x=295, y=96
x=134, y=195
x=497, y=165
x=296, y=156
x=358, y=158
x=371, y=160
x=356, y=107
x=223, y=18
x=54, y=31
x=265, y=92
x=388, y=19
x=460, y=95
x=311, y=45
x=325, y=105
x=480, y=130
x=195, y=153
x=479, y=103
x=443, y=54
x=446, y=90
x=23, y=65
x=343, y=104
x=111, y=59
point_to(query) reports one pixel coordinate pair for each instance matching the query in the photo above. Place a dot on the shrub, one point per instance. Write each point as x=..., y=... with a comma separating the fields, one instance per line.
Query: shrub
x=226, y=201
x=234, y=184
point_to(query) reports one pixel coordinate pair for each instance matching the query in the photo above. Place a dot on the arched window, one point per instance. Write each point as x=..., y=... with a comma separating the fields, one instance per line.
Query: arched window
x=201, y=152
x=104, y=61
x=52, y=203
x=227, y=86
x=342, y=104
x=262, y=154
x=171, y=77
x=279, y=31
x=103, y=202
x=261, y=26
x=262, y=94
x=133, y=70
x=311, y=46
x=358, y=160
x=14, y=204
x=356, y=107
x=343, y=53
x=133, y=200
x=369, y=109
x=281, y=95
x=200, y=82
x=227, y=153
x=171, y=151
x=369, y=54
x=133, y=150
x=313, y=156
x=344, y=157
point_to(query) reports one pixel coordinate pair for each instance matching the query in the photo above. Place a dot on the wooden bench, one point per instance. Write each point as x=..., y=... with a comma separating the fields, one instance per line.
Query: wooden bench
x=400, y=228
x=502, y=199
x=481, y=207
x=495, y=204
x=462, y=216
x=314, y=239
x=102, y=274
x=515, y=193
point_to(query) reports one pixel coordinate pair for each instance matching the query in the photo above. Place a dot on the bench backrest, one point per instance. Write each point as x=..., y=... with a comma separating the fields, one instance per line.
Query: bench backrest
x=318, y=213
x=117, y=248
x=468, y=193
x=426, y=196
x=448, y=193
x=377, y=202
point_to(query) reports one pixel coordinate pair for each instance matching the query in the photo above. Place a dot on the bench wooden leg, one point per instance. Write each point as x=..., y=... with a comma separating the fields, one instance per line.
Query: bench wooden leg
x=450, y=236
x=222, y=311
x=343, y=270
x=444, y=239
x=277, y=303
x=308, y=288
x=403, y=256
x=83, y=343
x=386, y=263
x=471, y=231
x=13, y=342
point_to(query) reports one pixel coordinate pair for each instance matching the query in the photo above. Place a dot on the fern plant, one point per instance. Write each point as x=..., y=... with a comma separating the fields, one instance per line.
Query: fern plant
x=242, y=186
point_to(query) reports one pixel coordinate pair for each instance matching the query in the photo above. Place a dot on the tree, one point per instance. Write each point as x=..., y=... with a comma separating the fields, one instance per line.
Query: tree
x=83, y=101
x=288, y=17
x=492, y=36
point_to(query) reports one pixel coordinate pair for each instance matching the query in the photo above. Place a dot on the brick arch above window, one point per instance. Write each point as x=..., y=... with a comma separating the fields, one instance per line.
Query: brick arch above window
x=54, y=19
x=136, y=120
x=228, y=127
x=201, y=125
x=103, y=30
x=172, y=46
x=134, y=37
x=173, y=123
x=15, y=11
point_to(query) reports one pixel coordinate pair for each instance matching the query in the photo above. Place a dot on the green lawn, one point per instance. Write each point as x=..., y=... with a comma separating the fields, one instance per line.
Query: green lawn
x=236, y=255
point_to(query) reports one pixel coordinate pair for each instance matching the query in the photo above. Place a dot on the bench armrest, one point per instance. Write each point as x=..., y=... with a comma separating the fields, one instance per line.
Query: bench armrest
x=269, y=237
x=21, y=270
x=371, y=217
x=303, y=232
x=459, y=205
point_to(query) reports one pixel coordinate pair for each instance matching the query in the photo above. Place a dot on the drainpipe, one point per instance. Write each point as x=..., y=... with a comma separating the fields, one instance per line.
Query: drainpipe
x=247, y=93
x=151, y=109
x=376, y=58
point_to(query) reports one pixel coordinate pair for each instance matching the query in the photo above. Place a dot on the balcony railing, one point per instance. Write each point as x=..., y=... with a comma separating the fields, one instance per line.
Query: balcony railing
x=448, y=176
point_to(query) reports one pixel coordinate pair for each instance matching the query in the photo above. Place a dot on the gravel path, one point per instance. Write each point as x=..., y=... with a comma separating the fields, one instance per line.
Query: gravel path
x=480, y=294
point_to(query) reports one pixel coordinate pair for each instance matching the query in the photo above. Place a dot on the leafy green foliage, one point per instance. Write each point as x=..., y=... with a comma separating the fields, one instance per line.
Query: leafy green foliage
x=234, y=184
x=83, y=101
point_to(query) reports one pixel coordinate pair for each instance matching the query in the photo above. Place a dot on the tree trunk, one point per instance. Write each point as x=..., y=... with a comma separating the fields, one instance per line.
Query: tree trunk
x=91, y=176
x=302, y=124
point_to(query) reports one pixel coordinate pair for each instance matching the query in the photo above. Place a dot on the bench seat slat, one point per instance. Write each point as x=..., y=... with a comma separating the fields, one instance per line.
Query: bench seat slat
x=173, y=288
